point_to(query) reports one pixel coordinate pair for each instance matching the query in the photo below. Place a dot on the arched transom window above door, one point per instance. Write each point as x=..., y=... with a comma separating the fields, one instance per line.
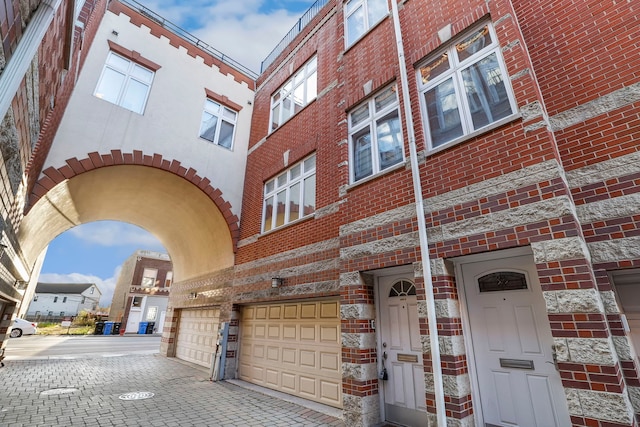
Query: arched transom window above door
x=402, y=288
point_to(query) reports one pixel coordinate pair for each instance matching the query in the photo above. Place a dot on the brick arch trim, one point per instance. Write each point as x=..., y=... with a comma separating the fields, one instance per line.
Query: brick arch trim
x=95, y=160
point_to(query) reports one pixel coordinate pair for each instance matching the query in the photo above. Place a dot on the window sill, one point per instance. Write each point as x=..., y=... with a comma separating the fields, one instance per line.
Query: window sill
x=376, y=176
x=282, y=227
x=463, y=138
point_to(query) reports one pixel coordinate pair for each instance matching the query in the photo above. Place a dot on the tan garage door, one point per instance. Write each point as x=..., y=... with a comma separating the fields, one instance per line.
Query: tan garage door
x=294, y=348
x=197, y=335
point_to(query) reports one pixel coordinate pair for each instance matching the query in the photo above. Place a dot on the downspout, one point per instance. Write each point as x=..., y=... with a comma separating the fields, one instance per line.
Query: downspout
x=422, y=227
x=18, y=64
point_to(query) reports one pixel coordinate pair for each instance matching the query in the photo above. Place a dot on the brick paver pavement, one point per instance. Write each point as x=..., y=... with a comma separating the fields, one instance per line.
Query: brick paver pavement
x=86, y=392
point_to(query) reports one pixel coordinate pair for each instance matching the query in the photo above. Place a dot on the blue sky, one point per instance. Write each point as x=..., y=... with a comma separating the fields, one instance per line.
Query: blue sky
x=246, y=31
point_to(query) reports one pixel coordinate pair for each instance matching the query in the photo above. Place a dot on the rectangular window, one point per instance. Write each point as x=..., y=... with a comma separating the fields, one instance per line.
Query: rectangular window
x=64, y=299
x=295, y=94
x=465, y=88
x=375, y=138
x=83, y=300
x=91, y=290
x=291, y=195
x=149, y=277
x=124, y=83
x=137, y=302
x=361, y=15
x=62, y=314
x=218, y=124
x=168, y=279
x=55, y=299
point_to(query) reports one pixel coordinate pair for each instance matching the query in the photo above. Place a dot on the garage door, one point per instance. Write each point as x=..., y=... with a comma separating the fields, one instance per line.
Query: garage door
x=294, y=348
x=197, y=335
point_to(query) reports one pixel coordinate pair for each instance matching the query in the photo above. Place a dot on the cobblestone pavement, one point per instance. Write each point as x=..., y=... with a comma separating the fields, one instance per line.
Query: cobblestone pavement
x=87, y=392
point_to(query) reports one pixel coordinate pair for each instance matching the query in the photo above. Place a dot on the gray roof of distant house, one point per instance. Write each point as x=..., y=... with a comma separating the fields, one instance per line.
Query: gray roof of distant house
x=63, y=288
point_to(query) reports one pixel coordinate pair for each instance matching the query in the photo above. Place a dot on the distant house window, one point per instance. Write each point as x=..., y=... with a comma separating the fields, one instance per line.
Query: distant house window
x=61, y=313
x=35, y=297
x=83, y=300
x=149, y=277
x=152, y=313
x=291, y=195
x=124, y=83
x=361, y=15
x=465, y=88
x=37, y=313
x=91, y=290
x=218, y=124
x=137, y=302
x=295, y=94
x=64, y=299
x=55, y=299
x=375, y=139
x=51, y=313
x=168, y=279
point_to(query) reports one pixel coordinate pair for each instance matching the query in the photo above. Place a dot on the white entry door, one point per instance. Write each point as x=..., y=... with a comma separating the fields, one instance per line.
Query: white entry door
x=512, y=343
x=400, y=351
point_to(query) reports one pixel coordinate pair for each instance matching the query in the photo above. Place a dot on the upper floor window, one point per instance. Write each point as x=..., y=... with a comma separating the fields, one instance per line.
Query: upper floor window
x=465, y=88
x=218, y=124
x=64, y=299
x=91, y=290
x=375, y=139
x=149, y=277
x=361, y=15
x=168, y=279
x=295, y=94
x=291, y=195
x=124, y=83
x=55, y=299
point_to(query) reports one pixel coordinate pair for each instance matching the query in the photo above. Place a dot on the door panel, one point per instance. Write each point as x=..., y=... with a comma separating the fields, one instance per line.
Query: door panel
x=401, y=352
x=512, y=341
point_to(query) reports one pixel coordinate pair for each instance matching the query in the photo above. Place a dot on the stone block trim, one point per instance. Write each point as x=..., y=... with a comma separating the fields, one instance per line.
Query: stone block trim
x=94, y=160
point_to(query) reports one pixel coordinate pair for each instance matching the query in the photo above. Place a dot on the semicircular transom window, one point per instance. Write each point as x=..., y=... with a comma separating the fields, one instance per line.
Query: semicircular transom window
x=402, y=288
x=502, y=281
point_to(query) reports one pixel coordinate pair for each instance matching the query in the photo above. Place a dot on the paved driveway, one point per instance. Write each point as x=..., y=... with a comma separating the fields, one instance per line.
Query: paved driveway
x=90, y=391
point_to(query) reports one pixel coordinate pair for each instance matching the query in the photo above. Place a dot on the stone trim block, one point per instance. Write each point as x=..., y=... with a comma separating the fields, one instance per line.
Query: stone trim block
x=610, y=407
x=590, y=351
x=559, y=250
x=573, y=301
x=361, y=411
x=409, y=240
x=360, y=341
x=615, y=250
x=357, y=311
x=609, y=302
x=616, y=207
x=604, y=170
x=359, y=372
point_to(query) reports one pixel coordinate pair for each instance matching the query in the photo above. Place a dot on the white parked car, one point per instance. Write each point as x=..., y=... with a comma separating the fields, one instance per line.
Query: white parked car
x=22, y=327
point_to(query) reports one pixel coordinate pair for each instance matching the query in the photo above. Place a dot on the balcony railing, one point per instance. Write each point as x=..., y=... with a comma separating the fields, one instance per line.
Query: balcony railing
x=185, y=35
x=293, y=32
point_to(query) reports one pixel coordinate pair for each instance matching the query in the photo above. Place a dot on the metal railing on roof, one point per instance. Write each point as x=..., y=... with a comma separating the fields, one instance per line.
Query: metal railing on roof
x=185, y=35
x=293, y=32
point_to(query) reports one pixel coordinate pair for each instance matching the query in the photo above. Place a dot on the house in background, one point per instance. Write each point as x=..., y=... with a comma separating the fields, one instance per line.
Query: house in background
x=54, y=301
x=142, y=290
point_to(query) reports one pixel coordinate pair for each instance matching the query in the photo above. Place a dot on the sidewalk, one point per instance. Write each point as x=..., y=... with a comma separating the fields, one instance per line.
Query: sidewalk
x=91, y=392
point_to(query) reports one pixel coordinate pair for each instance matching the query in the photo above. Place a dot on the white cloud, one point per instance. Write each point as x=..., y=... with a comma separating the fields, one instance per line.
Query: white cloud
x=108, y=233
x=106, y=286
x=237, y=28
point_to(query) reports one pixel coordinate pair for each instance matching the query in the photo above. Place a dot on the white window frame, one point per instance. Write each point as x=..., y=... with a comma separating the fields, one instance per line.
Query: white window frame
x=221, y=113
x=149, y=274
x=455, y=71
x=351, y=7
x=168, y=279
x=370, y=123
x=284, y=185
x=299, y=91
x=127, y=71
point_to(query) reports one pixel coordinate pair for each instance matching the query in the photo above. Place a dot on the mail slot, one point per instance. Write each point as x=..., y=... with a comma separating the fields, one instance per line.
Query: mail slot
x=516, y=363
x=412, y=358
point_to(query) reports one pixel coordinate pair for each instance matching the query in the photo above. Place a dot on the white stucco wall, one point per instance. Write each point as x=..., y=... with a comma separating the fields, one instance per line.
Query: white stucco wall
x=171, y=121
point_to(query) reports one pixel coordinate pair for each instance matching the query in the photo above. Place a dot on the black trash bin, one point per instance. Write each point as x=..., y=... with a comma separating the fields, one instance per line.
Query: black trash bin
x=150, y=327
x=116, y=328
x=99, y=328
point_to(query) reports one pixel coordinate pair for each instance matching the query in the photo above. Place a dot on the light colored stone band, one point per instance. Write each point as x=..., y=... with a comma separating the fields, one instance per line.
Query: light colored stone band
x=615, y=250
